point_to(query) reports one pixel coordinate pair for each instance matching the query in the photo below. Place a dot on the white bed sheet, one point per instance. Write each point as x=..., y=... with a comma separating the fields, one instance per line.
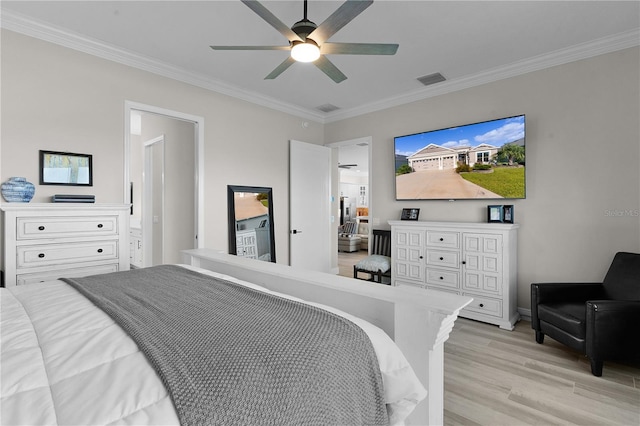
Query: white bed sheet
x=64, y=361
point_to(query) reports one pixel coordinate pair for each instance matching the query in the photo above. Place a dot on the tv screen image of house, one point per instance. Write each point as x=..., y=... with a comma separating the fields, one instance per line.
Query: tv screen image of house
x=484, y=160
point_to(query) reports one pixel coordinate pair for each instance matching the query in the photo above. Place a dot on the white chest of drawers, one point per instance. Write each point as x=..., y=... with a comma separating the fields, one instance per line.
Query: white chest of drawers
x=471, y=259
x=47, y=241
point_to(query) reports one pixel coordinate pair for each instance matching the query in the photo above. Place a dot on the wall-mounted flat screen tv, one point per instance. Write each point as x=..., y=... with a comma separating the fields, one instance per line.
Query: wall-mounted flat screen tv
x=483, y=160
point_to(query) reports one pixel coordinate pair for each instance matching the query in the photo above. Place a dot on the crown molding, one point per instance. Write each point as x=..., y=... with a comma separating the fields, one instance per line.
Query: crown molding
x=27, y=26
x=21, y=24
x=559, y=57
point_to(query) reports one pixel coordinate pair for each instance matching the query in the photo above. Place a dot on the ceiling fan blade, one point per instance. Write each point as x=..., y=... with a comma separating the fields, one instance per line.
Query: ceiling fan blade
x=251, y=47
x=327, y=67
x=271, y=19
x=358, y=49
x=338, y=19
x=280, y=68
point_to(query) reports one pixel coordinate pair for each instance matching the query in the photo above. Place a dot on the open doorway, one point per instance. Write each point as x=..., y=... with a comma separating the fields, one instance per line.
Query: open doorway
x=353, y=201
x=163, y=177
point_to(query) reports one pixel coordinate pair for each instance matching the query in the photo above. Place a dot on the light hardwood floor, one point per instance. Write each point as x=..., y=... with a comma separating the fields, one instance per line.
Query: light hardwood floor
x=496, y=377
x=347, y=260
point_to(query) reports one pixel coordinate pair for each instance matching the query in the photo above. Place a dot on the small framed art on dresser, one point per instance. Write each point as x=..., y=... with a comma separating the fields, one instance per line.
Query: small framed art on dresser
x=410, y=214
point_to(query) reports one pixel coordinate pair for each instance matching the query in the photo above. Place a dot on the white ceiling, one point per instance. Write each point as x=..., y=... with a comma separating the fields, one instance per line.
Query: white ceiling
x=469, y=42
x=356, y=158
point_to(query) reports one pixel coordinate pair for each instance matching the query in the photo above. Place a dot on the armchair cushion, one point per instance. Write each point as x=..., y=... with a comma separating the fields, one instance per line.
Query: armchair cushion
x=363, y=228
x=567, y=316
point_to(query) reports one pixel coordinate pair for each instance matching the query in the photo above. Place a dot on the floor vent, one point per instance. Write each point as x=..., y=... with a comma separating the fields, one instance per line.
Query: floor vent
x=431, y=79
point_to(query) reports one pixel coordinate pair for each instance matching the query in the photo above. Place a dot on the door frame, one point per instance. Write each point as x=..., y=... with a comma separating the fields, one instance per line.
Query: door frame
x=148, y=239
x=130, y=106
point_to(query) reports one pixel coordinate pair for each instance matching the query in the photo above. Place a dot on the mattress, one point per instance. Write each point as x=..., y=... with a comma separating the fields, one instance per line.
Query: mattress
x=64, y=361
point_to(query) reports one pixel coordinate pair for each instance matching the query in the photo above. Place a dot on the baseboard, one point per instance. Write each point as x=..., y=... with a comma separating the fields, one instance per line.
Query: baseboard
x=525, y=314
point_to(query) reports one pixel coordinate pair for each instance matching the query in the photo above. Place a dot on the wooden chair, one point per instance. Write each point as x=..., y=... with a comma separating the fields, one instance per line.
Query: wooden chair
x=378, y=264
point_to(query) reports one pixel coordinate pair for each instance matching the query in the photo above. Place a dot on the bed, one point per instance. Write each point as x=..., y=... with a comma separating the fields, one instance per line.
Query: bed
x=68, y=358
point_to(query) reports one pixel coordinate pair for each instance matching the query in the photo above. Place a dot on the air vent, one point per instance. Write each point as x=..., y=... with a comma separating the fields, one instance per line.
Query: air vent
x=327, y=108
x=431, y=79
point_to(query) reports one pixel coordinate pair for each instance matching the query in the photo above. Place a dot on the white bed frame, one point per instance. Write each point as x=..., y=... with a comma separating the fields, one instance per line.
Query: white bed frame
x=419, y=321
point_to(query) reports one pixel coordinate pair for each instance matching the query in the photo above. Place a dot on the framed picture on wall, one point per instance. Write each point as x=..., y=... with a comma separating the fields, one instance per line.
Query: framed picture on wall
x=66, y=168
x=410, y=214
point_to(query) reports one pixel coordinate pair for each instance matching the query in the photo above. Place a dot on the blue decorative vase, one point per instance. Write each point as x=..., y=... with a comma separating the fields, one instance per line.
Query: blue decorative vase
x=18, y=190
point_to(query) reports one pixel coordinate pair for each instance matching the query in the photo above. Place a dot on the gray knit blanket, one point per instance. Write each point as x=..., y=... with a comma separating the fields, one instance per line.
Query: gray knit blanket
x=232, y=355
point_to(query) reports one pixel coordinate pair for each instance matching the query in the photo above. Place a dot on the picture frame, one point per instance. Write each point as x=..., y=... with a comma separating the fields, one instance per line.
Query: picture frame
x=495, y=214
x=410, y=214
x=507, y=213
x=66, y=168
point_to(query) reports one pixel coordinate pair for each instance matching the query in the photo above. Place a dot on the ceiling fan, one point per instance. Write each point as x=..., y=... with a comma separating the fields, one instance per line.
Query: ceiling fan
x=308, y=41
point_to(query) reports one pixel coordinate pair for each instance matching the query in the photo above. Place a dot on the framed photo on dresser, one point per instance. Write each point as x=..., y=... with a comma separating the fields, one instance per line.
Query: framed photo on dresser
x=410, y=214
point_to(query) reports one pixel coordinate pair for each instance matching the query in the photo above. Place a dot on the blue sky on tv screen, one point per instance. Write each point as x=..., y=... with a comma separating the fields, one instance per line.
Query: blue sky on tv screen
x=495, y=132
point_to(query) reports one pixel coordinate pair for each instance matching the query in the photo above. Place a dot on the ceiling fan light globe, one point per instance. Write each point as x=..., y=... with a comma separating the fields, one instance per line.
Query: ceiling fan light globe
x=305, y=52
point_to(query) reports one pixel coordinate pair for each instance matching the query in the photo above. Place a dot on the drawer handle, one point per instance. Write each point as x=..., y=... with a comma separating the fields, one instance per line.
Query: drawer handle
x=421, y=257
x=464, y=262
x=442, y=278
x=100, y=225
x=482, y=305
x=99, y=250
x=40, y=228
x=441, y=239
x=41, y=255
x=442, y=258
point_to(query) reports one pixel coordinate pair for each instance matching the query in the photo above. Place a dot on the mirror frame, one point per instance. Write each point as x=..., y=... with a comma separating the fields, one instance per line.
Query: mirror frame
x=232, y=190
x=65, y=156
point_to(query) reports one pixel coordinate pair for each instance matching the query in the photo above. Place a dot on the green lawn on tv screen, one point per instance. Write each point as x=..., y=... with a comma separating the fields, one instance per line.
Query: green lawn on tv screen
x=507, y=182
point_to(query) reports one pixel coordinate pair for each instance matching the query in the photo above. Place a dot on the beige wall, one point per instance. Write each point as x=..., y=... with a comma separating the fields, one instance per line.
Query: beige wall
x=583, y=146
x=583, y=151
x=59, y=99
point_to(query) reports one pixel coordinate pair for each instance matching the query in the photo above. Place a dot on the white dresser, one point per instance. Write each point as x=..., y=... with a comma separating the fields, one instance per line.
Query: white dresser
x=246, y=243
x=478, y=260
x=47, y=241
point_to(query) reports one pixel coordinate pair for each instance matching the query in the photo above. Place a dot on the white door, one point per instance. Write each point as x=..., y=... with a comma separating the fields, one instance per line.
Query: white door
x=310, y=206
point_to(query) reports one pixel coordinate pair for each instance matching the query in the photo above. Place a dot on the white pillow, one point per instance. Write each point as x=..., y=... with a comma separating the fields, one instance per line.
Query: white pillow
x=375, y=263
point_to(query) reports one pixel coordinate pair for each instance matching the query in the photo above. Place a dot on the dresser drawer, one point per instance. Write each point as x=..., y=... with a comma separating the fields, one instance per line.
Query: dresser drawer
x=443, y=278
x=484, y=305
x=39, y=277
x=449, y=259
x=65, y=227
x=443, y=239
x=54, y=254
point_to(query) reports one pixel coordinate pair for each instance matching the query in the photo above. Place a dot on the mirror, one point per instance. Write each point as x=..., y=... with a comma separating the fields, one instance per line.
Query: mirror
x=65, y=168
x=250, y=222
